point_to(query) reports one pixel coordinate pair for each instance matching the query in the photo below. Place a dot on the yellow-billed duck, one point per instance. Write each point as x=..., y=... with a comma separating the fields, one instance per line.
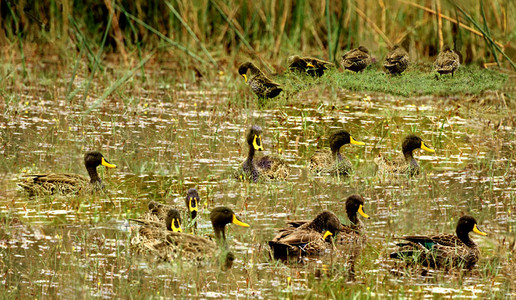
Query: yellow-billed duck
x=406, y=165
x=356, y=59
x=397, y=60
x=443, y=250
x=312, y=66
x=192, y=203
x=261, y=85
x=65, y=183
x=310, y=238
x=447, y=61
x=331, y=161
x=266, y=167
x=349, y=233
x=171, y=245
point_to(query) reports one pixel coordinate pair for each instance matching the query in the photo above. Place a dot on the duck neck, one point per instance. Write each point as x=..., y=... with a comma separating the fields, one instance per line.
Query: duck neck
x=464, y=237
x=336, y=153
x=355, y=222
x=250, y=156
x=94, y=176
x=220, y=236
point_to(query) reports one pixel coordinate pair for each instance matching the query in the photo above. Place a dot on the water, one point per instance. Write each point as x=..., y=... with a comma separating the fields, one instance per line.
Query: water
x=166, y=139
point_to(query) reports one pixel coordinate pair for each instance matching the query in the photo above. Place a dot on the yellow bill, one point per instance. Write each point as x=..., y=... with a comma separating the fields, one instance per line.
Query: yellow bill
x=176, y=228
x=424, y=147
x=352, y=141
x=361, y=212
x=257, y=143
x=310, y=65
x=326, y=234
x=245, y=77
x=477, y=231
x=192, y=204
x=105, y=163
x=238, y=222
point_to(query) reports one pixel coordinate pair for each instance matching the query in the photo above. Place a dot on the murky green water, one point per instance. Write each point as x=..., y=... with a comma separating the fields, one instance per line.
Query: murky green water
x=166, y=139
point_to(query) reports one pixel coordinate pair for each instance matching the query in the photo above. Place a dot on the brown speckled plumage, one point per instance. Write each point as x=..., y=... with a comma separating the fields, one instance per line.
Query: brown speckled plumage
x=52, y=183
x=261, y=85
x=447, y=62
x=266, y=167
x=309, y=65
x=397, y=60
x=443, y=250
x=356, y=59
x=406, y=165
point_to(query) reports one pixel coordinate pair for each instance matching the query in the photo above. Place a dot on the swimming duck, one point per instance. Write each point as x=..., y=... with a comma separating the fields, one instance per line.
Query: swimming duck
x=397, y=60
x=348, y=233
x=169, y=245
x=447, y=61
x=52, y=183
x=333, y=162
x=157, y=212
x=406, y=165
x=192, y=203
x=312, y=66
x=443, y=250
x=356, y=59
x=310, y=238
x=261, y=85
x=154, y=230
x=267, y=167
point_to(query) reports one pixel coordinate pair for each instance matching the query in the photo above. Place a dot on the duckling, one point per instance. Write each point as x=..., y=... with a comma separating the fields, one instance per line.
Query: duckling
x=267, y=167
x=333, y=162
x=356, y=59
x=397, y=60
x=52, y=183
x=406, y=165
x=309, y=238
x=171, y=245
x=261, y=85
x=312, y=66
x=443, y=250
x=447, y=61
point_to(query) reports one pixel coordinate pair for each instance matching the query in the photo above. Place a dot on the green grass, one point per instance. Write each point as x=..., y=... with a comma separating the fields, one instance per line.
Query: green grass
x=468, y=80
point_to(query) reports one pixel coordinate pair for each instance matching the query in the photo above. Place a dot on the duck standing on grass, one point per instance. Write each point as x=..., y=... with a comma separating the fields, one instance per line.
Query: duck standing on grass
x=261, y=85
x=357, y=59
x=65, y=183
x=442, y=250
x=266, y=167
x=397, y=60
x=447, y=61
x=406, y=165
x=332, y=162
x=312, y=66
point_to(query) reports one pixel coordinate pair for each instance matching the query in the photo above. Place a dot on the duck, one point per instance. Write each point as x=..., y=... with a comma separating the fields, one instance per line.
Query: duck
x=406, y=165
x=356, y=59
x=172, y=244
x=349, y=233
x=66, y=183
x=331, y=161
x=153, y=230
x=266, y=167
x=397, y=60
x=157, y=212
x=308, y=239
x=312, y=66
x=192, y=203
x=442, y=250
x=262, y=86
x=447, y=61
